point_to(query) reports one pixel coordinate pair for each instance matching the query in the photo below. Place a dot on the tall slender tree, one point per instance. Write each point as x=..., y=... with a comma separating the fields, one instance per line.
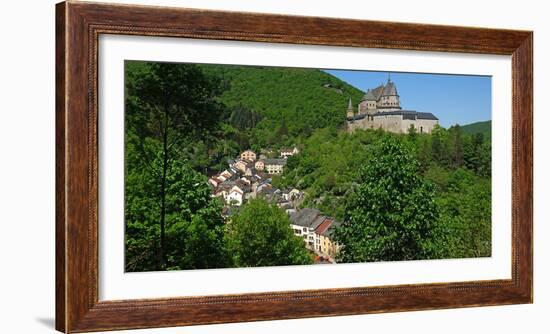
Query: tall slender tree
x=456, y=146
x=168, y=107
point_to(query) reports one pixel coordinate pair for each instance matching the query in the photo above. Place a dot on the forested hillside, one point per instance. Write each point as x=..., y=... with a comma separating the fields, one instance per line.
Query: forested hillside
x=264, y=107
x=292, y=102
x=398, y=196
x=478, y=127
x=458, y=166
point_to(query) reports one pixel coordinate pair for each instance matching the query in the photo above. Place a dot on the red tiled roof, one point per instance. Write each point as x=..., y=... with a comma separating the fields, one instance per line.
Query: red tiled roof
x=324, y=226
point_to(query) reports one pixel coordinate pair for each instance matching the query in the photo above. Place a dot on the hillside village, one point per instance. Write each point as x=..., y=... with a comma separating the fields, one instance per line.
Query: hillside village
x=249, y=176
x=198, y=197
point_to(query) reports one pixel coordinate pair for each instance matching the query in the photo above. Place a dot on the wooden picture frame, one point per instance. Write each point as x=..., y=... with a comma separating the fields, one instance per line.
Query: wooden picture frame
x=78, y=26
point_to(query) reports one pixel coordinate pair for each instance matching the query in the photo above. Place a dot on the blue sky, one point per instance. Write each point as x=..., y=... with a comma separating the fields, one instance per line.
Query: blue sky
x=454, y=99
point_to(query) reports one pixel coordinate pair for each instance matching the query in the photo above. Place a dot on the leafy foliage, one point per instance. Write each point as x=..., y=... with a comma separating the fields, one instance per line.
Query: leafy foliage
x=194, y=227
x=392, y=213
x=329, y=167
x=167, y=107
x=479, y=127
x=400, y=197
x=464, y=205
x=300, y=99
x=260, y=235
x=243, y=118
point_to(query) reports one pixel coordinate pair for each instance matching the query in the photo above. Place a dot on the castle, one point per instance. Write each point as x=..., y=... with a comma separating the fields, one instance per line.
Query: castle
x=380, y=109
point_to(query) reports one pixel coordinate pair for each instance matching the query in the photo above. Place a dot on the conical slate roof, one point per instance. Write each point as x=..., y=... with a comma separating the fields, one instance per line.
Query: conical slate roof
x=389, y=89
x=369, y=96
x=377, y=92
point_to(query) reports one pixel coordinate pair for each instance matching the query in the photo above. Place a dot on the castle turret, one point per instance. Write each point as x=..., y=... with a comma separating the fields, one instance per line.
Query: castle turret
x=380, y=109
x=389, y=100
x=350, y=109
x=368, y=102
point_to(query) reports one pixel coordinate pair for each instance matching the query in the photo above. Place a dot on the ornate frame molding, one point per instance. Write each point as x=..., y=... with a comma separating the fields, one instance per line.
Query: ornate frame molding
x=78, y=26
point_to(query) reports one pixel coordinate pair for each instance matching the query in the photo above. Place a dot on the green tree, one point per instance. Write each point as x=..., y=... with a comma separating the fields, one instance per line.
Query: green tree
x=439, y=152
x=260, y=235
x=477, y=155
x=412, y=133
x=391, y=214
x=195, y=226
x=282, y=130
x=194, y=233
x=456, y=146
x=141, y=213
x=168, y=106
x=465, y=216
x=424, y=153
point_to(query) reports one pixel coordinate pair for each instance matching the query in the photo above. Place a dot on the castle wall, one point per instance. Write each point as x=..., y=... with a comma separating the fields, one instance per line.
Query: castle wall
x=375, y=113
x=362, y=108
x=406, y=124
x=366, y=107
x=392, y=123
x=426, y=124
x=421, y=125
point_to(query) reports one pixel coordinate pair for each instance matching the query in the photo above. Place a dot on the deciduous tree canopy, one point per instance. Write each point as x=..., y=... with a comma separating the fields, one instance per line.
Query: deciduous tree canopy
x=260, y=235
x=399, y=196
x=392, y=214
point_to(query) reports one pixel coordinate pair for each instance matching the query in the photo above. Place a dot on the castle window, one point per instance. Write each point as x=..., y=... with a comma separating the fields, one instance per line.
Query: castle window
x=421, y=129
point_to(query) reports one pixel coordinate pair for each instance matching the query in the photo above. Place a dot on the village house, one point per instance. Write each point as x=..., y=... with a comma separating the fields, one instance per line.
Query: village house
x=235, y=196
x=241, y=165
x=304, y=222
x=380, y=108
x=220, y=193
x=215, y=181
x=262, y=187
x=315, y=229
x=274, y=166
x=270, y=194
x=246, y=179
x=259, y=165
x=248, y=155
x=324, y=243
x=292, y=194
x=288, y=152
x=249, y=171
x=225, y=175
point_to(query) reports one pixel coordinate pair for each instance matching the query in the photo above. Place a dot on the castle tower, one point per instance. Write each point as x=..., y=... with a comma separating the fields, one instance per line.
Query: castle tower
x=368, y=102
x=389, y=100
x=350, y=109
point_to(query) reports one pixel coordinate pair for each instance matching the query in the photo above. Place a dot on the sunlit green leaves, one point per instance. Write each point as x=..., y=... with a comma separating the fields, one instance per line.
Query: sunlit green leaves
x=392, y=213
x=260, y=235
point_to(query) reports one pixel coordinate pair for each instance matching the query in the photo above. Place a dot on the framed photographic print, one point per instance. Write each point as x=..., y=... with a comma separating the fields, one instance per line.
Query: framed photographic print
x=222, y=166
